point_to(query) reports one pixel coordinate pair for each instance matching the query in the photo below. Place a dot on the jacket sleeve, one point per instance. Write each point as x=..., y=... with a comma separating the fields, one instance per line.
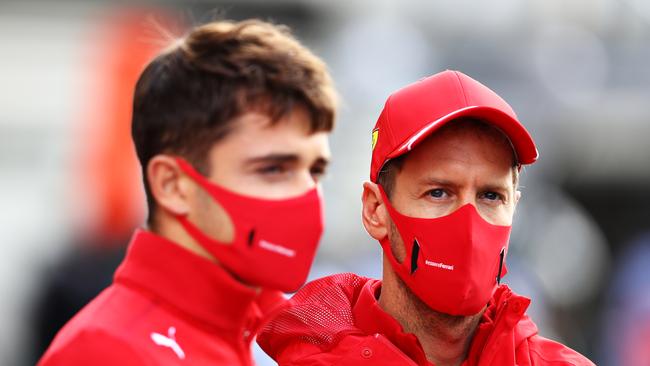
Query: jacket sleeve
x=352, y=350
x=308, y=354
x=543, y=351
x=92, y=347
x=324, y=359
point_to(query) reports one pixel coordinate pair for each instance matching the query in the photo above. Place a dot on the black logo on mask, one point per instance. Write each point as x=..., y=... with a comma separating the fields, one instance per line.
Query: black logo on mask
x=414, y=255
x=501, y=255
x=251, y=236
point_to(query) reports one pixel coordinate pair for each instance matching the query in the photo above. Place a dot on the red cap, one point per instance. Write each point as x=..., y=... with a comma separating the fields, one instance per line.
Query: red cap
x=419, y=109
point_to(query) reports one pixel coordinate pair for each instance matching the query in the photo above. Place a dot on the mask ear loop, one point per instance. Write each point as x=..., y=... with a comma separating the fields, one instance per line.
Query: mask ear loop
x=501, y=257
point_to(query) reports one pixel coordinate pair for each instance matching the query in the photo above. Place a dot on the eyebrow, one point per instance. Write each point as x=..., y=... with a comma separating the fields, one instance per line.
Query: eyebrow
x=283, y=158
x=273, y=158
x=432, y=181
x=495, y=187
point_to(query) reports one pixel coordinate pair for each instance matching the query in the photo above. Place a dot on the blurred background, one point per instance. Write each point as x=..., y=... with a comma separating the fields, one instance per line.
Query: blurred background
x=576, y=73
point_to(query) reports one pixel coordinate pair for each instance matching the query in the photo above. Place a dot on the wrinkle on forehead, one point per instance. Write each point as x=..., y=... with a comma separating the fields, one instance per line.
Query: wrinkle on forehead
x=465, y=147
x=476, y=128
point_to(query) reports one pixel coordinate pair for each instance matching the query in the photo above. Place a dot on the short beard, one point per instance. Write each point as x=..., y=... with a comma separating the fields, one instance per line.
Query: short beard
x=396, y=243
x=419, y=316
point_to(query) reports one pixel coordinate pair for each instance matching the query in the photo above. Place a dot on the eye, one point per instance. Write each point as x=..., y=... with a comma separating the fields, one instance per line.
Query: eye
x=273, y=169
x=437, y=193
x=492, y=196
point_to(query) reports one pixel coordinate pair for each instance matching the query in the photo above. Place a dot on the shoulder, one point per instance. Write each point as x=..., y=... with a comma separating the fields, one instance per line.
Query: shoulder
x=90, y=346
x=343, y=287
x=315, y=319
x=544, y=351
x=99, y=333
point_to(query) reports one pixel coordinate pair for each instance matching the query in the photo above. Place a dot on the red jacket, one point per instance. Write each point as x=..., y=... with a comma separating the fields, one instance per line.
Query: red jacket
x=166, y=306
x=336, y=320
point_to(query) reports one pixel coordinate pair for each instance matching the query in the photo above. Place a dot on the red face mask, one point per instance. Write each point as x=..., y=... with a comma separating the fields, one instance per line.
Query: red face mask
x=453, y=263
x=275, y=240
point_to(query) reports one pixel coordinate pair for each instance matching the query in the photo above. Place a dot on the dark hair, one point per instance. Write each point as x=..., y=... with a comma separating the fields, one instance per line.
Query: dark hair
x=187, y=97
x=388, y=173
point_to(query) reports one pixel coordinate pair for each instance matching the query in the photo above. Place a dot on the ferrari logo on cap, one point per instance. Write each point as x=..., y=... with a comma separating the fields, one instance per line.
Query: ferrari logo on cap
x=375, y=135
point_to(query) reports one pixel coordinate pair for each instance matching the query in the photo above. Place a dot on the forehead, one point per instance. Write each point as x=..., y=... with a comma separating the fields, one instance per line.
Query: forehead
x=468, y=147
x=255, y=133
x=467, y=131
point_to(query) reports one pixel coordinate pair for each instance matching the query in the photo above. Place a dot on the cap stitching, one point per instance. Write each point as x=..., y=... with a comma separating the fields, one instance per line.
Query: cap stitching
x=462, y=89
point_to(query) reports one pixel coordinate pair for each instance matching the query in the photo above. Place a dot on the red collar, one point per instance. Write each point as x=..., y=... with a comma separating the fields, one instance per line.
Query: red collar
x=503, y=322
x=193, y=285
x=505, y=311
x=372, y=319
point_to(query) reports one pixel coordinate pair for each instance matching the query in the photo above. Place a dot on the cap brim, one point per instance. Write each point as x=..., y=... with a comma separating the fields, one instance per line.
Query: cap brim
x=521, y=141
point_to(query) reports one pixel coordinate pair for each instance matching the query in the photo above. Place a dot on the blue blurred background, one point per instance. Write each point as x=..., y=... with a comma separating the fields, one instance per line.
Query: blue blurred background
x=575, y=72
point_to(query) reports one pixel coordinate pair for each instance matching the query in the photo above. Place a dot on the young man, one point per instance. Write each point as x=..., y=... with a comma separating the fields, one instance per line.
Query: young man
x=231, y=127
x=446, y=158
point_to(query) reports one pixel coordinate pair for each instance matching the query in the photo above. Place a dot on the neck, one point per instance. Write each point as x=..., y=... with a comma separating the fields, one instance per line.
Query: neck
x=445, y=338
x=169, y=228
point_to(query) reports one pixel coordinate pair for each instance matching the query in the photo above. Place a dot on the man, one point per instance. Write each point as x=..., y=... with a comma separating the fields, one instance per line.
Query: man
x=446, y=157
x=231, y=128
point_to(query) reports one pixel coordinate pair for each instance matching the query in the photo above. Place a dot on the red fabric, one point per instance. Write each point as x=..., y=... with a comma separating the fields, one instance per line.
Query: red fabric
x=303, y=334
x=166, y=306
x=264, y=251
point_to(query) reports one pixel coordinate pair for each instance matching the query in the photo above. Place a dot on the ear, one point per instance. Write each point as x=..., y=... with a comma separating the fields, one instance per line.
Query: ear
x=374, y=214
x=169, y=186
